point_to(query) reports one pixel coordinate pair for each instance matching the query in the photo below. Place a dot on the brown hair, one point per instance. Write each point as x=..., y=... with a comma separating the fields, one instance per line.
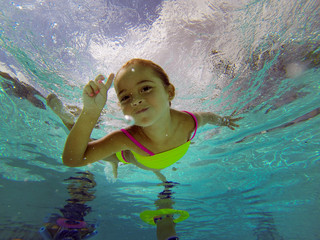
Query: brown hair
x=147, y=63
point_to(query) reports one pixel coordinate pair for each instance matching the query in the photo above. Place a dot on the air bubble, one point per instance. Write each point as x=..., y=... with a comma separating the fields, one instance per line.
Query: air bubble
x=129, y=120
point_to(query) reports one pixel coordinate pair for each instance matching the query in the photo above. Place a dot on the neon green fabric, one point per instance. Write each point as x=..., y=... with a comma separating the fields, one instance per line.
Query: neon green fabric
x=160, y=160
x=120, y=157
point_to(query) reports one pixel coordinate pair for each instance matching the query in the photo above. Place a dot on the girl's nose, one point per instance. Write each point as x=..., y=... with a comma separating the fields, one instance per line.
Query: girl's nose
x=136, y=102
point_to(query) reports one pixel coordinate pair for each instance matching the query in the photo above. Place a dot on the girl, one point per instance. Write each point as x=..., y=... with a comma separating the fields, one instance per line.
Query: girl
x=160, y=135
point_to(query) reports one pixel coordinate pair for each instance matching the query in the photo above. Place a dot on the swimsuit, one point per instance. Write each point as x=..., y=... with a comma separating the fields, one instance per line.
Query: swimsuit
x=160, y=160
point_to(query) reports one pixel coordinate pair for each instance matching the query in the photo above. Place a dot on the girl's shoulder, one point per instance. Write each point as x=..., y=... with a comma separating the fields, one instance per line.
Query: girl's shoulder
x=186, y=121
x=129, y=139
x=125, y=139
x=185, y=116
x=117, y=140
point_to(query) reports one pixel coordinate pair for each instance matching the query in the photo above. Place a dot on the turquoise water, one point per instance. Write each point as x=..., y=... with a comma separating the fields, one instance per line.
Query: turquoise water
x=261, y=58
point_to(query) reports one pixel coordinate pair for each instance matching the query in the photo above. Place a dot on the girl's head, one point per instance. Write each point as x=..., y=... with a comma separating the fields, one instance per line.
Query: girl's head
x=142, y=84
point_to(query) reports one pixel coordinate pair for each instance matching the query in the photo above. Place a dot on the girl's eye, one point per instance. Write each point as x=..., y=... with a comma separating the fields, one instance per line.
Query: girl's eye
x=146, y=89
x=124, y=98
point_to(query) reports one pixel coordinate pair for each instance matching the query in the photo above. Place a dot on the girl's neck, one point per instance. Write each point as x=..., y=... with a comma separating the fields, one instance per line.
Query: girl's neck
x=160, y=131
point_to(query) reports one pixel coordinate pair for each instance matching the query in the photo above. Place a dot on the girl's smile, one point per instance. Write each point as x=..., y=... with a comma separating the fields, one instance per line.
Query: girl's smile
x=142, y=110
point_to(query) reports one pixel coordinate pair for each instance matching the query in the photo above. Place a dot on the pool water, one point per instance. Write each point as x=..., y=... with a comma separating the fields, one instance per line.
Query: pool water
x=260, y=58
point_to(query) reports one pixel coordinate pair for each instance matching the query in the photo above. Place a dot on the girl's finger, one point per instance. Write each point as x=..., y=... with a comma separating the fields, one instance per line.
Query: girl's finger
x=94, y=87
x=99, y=78
x=99, y=81
x=233, y=113
x=88, y=90
x=237, y=119
x=233, y=124
x=109, y=81
x=232, y=128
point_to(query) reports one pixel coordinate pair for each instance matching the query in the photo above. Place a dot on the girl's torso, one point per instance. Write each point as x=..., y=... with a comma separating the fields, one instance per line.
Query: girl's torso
x=165, y=153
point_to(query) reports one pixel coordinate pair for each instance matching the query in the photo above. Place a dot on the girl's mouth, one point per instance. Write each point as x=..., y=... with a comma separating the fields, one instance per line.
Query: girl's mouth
x=142, y=110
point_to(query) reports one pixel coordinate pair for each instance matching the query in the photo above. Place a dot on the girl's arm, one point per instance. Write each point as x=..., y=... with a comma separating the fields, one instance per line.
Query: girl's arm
x=212, y=118
x=78, y=150
x=78, y=140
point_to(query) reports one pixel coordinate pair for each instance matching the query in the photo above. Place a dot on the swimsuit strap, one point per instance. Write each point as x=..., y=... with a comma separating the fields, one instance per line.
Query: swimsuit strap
x=196, y=122
x=136, y=142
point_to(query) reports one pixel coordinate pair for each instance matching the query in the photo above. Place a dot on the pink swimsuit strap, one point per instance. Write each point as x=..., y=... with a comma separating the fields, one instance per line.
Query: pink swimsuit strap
x=147, y=150
x=196, y=122
x=136, y=142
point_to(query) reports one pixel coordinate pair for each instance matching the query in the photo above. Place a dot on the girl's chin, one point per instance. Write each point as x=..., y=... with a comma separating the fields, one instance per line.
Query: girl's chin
x=145, y=122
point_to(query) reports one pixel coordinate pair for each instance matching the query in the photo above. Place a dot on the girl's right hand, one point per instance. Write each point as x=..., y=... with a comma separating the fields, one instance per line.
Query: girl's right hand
x=95, y=93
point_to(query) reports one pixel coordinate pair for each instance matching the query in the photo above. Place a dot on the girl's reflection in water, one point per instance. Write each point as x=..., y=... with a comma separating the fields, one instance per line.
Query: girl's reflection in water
x=165, y=216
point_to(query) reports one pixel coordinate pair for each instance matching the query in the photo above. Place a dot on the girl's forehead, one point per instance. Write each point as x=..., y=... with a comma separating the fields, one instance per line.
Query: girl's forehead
x=133, y=70
x=133, y=73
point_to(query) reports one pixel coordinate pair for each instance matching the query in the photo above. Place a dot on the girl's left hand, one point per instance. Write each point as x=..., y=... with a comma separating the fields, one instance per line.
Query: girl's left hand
x=229, y=121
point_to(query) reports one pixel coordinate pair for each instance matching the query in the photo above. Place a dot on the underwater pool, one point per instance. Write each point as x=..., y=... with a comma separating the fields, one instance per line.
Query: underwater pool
x=260, y=58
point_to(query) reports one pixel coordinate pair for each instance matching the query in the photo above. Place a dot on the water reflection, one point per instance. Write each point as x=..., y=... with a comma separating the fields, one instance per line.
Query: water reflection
x=165, y=217
x=71, y=225
x=265, y=227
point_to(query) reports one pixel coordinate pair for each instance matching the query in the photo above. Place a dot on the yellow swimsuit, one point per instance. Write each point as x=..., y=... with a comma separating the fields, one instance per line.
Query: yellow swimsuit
x=160, y=160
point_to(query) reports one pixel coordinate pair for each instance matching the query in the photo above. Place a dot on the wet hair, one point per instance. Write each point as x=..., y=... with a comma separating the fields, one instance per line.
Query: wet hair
x=154, y=67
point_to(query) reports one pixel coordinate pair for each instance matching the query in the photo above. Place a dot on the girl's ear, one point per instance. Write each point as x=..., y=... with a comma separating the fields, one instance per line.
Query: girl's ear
x=171, y=92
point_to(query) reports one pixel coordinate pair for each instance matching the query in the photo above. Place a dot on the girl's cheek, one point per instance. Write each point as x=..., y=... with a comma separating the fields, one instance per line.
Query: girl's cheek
x=126, y=110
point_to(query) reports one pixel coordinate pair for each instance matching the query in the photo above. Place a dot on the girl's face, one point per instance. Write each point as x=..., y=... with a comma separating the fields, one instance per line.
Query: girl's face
x=142, y=94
